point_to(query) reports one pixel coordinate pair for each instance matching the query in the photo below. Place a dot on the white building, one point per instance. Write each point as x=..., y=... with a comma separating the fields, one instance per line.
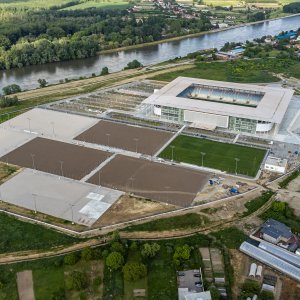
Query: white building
x=275, y=164
x=212, y=104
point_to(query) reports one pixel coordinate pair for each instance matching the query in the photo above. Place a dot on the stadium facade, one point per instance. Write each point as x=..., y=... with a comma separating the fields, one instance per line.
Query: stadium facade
x=209, y=104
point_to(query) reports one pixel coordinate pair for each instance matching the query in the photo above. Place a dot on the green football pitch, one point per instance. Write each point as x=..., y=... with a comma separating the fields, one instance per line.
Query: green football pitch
x=216, y=155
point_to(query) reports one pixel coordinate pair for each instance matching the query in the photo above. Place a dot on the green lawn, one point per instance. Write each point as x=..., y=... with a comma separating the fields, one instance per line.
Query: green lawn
x=18, y=236
x=191, y=220
x=47, y=281
x=218, y=155
x=100, y=4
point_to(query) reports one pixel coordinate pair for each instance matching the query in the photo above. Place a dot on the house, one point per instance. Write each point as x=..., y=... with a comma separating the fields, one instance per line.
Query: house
x=275, y=164
x=184, y=294
x=274, y=231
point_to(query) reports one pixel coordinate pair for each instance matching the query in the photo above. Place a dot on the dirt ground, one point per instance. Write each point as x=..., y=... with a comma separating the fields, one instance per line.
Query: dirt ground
x=56, y=158
x=25, y=285
x=128, y=208
x=290, y=289
x=127, y=137
x=157, y=181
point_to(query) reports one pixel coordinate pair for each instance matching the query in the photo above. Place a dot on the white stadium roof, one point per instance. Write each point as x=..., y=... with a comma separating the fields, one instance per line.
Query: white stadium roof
x=270, y=108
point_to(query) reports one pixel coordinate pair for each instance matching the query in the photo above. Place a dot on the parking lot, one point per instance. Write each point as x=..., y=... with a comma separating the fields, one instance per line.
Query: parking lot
x=188, y=279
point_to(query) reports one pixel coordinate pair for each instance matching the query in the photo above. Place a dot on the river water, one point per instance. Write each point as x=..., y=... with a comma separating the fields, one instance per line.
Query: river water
x=27, y=77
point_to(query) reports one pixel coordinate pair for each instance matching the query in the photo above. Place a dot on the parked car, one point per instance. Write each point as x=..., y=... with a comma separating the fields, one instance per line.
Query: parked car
x=196, y=275
x=181, y=274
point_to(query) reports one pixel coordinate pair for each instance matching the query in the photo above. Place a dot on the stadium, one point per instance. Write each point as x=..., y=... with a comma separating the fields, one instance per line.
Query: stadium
x=209, y=105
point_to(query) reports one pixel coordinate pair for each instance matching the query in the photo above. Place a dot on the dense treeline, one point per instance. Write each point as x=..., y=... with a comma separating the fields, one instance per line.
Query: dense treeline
x=292, y=8
x=39, y=37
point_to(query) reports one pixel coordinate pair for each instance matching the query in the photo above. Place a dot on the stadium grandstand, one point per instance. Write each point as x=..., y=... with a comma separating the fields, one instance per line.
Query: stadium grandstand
x=209, y=104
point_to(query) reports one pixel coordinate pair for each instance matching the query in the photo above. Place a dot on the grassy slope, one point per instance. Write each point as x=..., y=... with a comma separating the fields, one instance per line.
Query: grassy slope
x=218, y=155
x=18, y=236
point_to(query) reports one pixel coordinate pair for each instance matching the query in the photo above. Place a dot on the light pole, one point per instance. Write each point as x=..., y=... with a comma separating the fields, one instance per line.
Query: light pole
x=203, y=154
x=136, y=144
x=72, y=213
x=99, y=179
x=29, y=126
x=236, y=164
x=172, y=147
x=33, y=162
x=53, y=132
x=34, y=200
x=61, y=168
x=108, y=135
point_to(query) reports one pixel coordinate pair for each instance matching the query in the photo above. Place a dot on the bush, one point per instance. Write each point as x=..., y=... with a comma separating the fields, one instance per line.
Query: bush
x=8, y=101
x=134, y=271
x=11, y=89
x=150, y=250
x=104, y=71
x=133, y=65
x=70, y=259
x=117, y=247
x=76, y=280
x=86, y=254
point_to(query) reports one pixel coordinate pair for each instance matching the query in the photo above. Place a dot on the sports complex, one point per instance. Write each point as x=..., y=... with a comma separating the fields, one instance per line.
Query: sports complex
x=76, y=164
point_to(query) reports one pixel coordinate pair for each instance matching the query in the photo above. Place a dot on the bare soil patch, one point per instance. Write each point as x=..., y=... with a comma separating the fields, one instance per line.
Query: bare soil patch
x=56, y=158
x=129, y=208
x=25, y=285
x=157, y=181
x=127, y=137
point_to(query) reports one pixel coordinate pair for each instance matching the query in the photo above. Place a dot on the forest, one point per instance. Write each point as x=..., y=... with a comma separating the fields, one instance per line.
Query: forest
x=50, y=35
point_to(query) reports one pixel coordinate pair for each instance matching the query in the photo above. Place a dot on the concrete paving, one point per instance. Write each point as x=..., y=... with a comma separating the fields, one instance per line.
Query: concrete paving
x=50, y=124
x=82, y=203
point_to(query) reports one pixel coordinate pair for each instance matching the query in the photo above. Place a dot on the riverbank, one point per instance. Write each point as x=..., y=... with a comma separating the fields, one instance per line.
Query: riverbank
x=192, y=35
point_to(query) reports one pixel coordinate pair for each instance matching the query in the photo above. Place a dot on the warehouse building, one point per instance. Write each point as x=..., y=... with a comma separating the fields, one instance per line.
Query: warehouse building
x=211, y=105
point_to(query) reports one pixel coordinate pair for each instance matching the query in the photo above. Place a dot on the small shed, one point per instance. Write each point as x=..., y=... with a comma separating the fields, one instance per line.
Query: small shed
x=253, y=268
x=259, y=271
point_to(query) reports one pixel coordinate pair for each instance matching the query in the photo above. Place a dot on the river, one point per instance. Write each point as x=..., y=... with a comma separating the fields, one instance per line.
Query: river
x=27, y=77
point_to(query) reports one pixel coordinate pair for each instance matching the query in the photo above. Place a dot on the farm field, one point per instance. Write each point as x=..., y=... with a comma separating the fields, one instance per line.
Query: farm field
x=217, y=155
x=107, y=4
x=127, y=137
x=152, y=180
x=56, y=158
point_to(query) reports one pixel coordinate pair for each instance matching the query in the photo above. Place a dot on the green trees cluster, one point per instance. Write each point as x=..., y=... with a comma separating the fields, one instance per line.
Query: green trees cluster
x=181, y=254
x=8, y=101
x=11, y=89
x=133, y=271
x=133, y=65
x=38, y=37
x=292, y=8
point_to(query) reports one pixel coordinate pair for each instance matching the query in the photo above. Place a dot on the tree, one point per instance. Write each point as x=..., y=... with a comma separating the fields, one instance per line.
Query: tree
x=117, y=247
x=150, y=250
x=114, y=260
x=215, y=294
x=70, y=259
x=76, y=280
x=11, y=89
x=133, y=65
x=181, y=254
x=42, y=82
x=278, y=206
x=86, y=254
x=59, y=295
x=104, y=71
x=134, y=271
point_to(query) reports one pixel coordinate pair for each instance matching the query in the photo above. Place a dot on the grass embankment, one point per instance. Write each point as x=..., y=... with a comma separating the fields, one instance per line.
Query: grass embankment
x=243, y=71
x=6, y=170
x=187, y=221
x=19, y=236
x=257, y=203
x=231, y=237
x=284, y=183
x=218, y=155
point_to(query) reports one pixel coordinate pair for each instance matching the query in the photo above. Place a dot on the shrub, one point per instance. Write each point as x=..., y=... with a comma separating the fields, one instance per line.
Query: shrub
x=114, y=260
x=134, y=271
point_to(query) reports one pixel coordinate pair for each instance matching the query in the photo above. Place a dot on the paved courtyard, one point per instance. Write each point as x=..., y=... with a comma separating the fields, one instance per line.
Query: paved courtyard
x=63, y=198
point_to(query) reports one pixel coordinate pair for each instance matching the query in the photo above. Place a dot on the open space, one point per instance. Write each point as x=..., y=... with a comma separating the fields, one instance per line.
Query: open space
x=152, y=180
x=127, y=137
x=49, y=123
x=55, y=157
x=25, y=285
x=216, y=155
x=63, y=198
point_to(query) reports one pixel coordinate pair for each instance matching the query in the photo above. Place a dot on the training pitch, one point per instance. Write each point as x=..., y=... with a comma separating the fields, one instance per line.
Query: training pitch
x=216, y=155
x=127, y=137
x=152, y=180
x=55, y=157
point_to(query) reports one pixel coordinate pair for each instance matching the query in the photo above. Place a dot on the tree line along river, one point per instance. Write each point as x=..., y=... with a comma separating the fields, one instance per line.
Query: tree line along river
x=27, y=77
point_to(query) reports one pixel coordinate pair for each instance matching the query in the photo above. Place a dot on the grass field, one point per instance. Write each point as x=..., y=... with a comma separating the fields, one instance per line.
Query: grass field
x=244, y=71
x=218, y=155
x=100, y=4
x=5, y=171
x=18, y=236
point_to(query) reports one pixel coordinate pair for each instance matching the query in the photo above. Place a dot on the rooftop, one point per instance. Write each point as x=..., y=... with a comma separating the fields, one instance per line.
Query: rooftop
x=276, y=161
x=184, y=294
x=276, y=229
x=270, y=103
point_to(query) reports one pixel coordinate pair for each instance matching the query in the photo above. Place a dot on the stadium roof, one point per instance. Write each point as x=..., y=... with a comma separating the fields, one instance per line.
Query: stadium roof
x=271, y=108
x=271, y=260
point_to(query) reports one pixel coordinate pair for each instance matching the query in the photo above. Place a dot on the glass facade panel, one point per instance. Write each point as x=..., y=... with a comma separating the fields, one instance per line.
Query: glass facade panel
x=172, y=113
x=242, y=125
